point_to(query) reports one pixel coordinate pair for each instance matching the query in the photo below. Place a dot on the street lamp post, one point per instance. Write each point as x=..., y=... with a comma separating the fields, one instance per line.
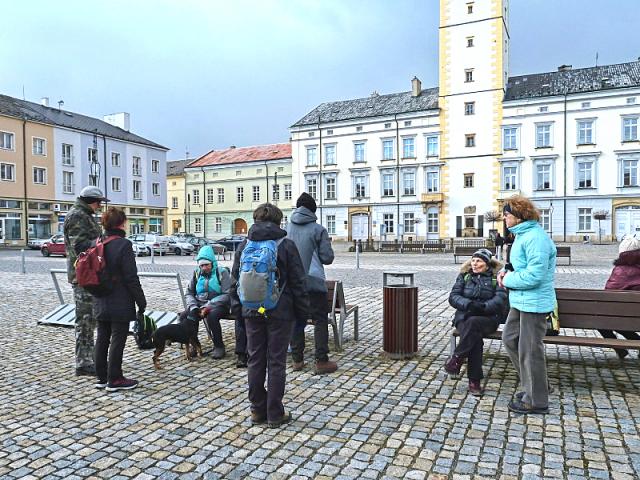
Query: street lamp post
x=276, y=192
x=551, y=220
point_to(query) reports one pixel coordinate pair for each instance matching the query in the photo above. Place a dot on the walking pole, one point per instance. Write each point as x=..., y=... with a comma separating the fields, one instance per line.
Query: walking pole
x=357, y=255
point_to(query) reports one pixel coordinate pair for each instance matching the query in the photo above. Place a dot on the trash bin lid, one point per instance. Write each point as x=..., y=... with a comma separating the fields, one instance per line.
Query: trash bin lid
x=398, y=278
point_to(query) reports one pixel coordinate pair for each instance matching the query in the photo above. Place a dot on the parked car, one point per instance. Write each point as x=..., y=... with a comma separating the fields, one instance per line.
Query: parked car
x=231, y=242
x=36, y=243
x=138, y=249
x=181, y=246
x=54, y=246
x=159, y=243
x=199, y=242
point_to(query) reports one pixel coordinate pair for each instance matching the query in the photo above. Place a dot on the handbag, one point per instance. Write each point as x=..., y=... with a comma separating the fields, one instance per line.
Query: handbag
x=553, y=322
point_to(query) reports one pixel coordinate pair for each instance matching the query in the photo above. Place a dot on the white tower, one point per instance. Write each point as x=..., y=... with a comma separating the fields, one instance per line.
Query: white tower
x=474, y=43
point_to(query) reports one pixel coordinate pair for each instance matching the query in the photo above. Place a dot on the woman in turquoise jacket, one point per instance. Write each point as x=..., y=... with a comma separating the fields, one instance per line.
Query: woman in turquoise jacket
x=529, y=278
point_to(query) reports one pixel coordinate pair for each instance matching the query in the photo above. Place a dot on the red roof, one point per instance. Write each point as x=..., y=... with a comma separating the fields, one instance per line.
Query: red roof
x=244, y=154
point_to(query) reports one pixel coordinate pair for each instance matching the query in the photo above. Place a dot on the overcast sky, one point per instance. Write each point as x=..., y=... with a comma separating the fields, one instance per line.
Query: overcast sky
x=202, y=75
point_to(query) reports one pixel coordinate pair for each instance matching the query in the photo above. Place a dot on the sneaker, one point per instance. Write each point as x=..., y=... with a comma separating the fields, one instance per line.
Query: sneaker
x=121, y=384
x=323, y=368
x=241, y=360
x=453, y=365
x=100, y=384
x=258, y=418
x=87, y=371
x=475, y=388
x=518, y=406
x=297, y=366
x=218, y=353
x=286, y=418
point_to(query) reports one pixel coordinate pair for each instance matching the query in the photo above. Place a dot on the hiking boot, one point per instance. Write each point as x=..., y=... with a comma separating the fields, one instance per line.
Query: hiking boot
x=100, y=384
x=475, y=388
x=453, y=365
x=218, y=353
x=297, y=366
x=286, y=418
x=622, y=352
x=258, y=418
x=326, y=367
x=121, y=384
x=518, y=406
x=88, y=371
x=241, y=360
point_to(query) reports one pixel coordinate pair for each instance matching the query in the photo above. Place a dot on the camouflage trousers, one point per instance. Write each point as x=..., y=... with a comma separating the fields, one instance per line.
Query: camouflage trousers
x=85, y=327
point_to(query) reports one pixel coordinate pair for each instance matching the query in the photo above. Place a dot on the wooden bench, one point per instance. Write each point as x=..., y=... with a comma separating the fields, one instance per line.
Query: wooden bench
x=339, y=312
x=412, y=247
x=221, y=251
x=463, y=252
x=388, y=247
x=564, y=252
x=433, y=246
x=586, y=309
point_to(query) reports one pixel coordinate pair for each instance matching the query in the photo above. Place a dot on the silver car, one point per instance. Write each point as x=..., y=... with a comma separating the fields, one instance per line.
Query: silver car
x=180, y=246
x=151, y=241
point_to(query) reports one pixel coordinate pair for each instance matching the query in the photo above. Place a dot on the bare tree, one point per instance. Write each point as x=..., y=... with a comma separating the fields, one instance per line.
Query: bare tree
x=492, y=216
x=600, y=215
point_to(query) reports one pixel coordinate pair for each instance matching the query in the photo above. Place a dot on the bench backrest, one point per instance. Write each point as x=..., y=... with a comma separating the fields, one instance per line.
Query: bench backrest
x=335, y=295
x=593, y=309
x=563, y=251
x=465, y=250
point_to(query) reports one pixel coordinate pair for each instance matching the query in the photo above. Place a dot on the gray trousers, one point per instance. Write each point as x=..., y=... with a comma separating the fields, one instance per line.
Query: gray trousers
x=522, y=337
x=85, y=327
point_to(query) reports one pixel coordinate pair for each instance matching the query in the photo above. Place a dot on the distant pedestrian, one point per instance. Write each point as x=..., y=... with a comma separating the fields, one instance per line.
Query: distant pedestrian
x=80, y=229
x=508, y=243
x=269, y=330
x=480, y=305
x=117, y=309
x=625, y=276
x=499, y=241
x=314, y=245
x=529, y=278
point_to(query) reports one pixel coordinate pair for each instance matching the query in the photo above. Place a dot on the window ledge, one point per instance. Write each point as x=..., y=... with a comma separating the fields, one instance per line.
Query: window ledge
x=631, y=141
x=586, y=188
x=510, y=149
x=388, y=160
x=544, y=190
x=408, y=158
x=585, y=144
x=629, y=186
x=543, y=148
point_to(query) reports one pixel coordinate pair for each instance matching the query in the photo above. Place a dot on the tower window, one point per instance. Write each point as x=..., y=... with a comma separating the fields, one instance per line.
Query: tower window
x=469, y=108
x=468, y=75
x=469, y=41
x=470, y=140
x=468, y=180
x=469, y=8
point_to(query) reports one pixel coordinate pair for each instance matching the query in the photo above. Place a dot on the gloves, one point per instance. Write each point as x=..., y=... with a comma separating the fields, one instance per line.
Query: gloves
x=476, y=307
x=204, y=311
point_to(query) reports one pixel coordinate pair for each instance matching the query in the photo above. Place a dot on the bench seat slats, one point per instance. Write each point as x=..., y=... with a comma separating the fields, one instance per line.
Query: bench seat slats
x=575, y=340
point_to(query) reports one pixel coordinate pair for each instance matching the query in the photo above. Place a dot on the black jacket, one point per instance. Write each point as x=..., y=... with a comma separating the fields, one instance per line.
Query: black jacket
x=120, y=304
x=294, y=301
x=479, y=287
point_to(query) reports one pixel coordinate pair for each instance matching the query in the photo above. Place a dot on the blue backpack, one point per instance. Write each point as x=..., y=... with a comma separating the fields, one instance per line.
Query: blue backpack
x=258, y=283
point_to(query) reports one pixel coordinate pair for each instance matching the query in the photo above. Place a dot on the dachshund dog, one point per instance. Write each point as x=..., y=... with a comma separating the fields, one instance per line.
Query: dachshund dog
x=184, y=332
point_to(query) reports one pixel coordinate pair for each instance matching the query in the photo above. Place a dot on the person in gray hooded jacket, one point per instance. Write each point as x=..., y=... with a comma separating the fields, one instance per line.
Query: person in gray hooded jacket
x=315, y=250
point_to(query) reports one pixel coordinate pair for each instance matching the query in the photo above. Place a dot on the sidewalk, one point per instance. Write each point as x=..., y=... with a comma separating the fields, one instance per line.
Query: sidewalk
x=374, y=418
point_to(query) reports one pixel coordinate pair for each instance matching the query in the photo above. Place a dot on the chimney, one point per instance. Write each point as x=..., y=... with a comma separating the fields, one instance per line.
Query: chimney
x=564, y=68
x=45, y=101
x=416, y=87
x=120, y=120
x=232, y=146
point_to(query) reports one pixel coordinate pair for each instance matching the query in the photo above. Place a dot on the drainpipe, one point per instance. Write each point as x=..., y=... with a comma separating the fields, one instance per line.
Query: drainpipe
x=106, y=190
x=320, y=179
x=395, y=116
x=266, y=178
x=564, y=192
x=24, y=179
x=204, y=204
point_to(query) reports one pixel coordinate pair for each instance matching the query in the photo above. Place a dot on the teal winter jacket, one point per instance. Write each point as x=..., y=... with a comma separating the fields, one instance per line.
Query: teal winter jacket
x=533, y=256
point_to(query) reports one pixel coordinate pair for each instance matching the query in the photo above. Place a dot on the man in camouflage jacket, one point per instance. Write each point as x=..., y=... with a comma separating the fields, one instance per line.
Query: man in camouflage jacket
x=80, y=229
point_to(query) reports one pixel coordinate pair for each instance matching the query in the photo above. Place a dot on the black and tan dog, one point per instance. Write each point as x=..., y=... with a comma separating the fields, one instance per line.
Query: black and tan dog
x=184, y=332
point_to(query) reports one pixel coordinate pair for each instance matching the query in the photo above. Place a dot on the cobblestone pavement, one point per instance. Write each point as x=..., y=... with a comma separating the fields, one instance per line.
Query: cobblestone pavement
x=374, y=418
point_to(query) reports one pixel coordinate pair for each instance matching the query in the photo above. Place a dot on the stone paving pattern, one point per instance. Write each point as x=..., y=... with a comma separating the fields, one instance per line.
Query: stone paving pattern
x=374, y=418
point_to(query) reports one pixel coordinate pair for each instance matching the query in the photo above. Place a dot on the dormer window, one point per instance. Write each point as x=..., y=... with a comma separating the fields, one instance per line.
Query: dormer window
x=469, y=8
x=469, y=42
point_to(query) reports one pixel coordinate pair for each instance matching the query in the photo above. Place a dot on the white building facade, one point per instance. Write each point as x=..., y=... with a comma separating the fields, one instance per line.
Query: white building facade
x=431, y=163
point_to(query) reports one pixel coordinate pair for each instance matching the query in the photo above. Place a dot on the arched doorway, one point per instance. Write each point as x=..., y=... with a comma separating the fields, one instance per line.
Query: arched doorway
x=239, y=226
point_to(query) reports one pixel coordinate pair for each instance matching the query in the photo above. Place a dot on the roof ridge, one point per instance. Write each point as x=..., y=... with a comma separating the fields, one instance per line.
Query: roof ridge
x=576, y=69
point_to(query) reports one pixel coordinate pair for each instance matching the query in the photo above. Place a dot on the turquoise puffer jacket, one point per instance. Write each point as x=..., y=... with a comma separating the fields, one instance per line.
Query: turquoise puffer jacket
x=533, y=256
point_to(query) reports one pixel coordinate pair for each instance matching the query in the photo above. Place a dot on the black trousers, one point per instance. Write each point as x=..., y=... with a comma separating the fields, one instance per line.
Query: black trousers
x=629, y=335
x=241, y=336
x=319, y=310
x=110, y=342
x=471, y=330
x=218, y=311
x=267, y=343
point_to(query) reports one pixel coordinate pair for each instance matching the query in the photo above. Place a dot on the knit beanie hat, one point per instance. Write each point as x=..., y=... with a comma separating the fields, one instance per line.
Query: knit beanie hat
x=629, y=243
x=484, y=255
x=306, y=200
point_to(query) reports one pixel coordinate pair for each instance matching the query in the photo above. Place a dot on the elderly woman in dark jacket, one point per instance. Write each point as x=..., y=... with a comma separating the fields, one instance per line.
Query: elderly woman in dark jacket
x=269, y=331
x=625, y=276
x=115, y=310
x=480, y=306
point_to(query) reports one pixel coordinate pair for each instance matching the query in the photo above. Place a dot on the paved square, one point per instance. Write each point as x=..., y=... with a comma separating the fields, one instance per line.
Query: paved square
x=374, y=418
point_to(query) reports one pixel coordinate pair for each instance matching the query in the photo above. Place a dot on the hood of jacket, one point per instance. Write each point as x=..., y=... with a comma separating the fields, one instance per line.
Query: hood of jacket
x=207, y=253
x=260, y=231
x=494, y=267
x=628, y=258
x=82, y=205
x=523, y=227
x=302, y=215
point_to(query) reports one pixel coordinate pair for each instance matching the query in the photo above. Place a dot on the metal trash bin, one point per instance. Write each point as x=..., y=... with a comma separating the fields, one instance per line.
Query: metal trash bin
x=400, y=315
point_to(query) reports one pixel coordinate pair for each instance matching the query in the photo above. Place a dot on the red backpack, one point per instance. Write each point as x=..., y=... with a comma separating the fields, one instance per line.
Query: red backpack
x=91, y=269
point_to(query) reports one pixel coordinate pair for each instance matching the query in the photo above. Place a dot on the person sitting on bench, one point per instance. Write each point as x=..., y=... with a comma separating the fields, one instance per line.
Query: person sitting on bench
x=481, y=305
x=625, y=276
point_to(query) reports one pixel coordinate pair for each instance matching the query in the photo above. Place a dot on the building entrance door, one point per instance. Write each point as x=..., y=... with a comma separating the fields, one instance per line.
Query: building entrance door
x=360, y=226
x=627, y=221
x=239, y=226
x=9, y=229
